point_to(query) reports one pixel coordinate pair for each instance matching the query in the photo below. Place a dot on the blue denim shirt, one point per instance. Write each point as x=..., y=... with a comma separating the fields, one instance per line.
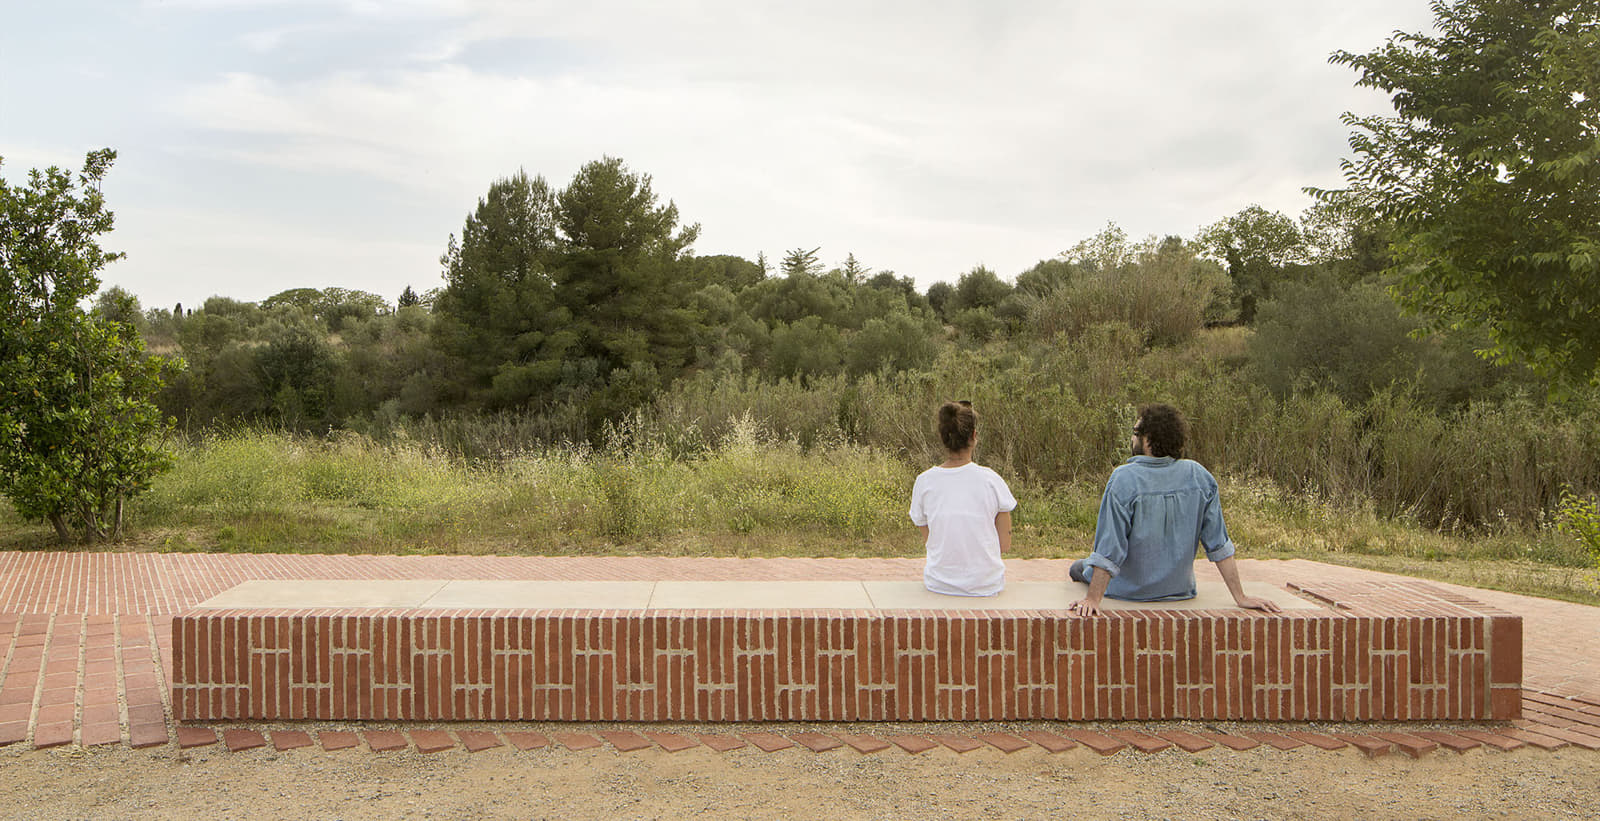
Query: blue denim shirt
x=1154, y=511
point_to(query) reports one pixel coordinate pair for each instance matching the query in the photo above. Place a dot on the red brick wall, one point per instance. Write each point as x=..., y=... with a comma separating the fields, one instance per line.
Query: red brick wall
x=1428, y=657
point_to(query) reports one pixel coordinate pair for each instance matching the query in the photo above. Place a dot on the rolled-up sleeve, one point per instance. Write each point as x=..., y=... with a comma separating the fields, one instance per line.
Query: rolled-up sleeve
x=1213, y=532
x=1111, y=533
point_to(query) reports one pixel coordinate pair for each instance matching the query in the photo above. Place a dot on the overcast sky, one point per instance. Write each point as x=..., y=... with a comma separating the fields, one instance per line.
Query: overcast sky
x=272, y=144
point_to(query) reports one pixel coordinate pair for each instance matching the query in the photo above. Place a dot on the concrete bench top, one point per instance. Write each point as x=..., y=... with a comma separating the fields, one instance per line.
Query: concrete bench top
x=691, y=595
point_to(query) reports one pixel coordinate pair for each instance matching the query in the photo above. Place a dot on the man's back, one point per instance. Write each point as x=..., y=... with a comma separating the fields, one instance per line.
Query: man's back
x=1154, y=511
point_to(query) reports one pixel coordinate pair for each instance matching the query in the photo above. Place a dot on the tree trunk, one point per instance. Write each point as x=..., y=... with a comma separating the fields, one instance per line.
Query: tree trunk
x=92, y=531
x=116, y=524
x=60, y=525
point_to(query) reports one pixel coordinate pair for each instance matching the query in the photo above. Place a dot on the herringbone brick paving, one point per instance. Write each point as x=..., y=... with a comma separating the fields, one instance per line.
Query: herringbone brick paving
x=87, y=643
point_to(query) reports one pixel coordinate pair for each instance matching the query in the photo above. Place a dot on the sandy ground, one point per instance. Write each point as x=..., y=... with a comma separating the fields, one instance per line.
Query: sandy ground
x=554, y=783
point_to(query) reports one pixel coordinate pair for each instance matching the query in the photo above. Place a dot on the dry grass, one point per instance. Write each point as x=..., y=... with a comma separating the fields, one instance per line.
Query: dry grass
x=753, y=495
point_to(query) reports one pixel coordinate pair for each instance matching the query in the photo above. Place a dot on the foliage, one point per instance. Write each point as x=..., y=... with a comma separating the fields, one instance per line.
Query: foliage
x=1490, y=174
x=978, y=288
x=801, y=262
x=116, y=304
x=1579, y=517
x=1257, y=246
x=578, y=295
x=1353, y=341
x=333, y=306
x=1160, y=287
x=77, y=427
x=498, y=315
x=255, y=491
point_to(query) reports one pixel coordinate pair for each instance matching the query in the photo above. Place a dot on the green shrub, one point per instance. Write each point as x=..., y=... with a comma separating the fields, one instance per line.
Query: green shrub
x=1160, y=289
x=1579, y=517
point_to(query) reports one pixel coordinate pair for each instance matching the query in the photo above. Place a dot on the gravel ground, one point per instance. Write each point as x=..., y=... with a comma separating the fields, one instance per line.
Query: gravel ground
x=555, y=783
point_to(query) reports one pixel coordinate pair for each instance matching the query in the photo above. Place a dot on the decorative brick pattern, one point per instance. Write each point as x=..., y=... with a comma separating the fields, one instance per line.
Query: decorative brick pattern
x=290, y=740
x=866, y=744
x=1049, y=741
x=913, y=743
x=672, y=742
x=527, y=741
x=476, y=741
x=1382, y=651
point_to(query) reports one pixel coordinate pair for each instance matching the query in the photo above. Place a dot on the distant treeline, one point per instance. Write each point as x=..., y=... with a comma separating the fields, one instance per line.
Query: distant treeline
x=571, y=315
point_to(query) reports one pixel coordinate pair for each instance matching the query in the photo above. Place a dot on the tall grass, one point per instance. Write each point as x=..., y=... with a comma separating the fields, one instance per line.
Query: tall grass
x=258, y=490
x=750, y=492
x=1060, y=413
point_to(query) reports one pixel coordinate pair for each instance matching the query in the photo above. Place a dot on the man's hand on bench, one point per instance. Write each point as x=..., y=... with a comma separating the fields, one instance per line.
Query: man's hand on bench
x=1084, y=607
x=1229, y=569
x=1253, y=603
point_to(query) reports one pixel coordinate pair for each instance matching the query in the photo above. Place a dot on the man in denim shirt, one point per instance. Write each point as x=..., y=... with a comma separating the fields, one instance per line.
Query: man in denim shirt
x=1157, y=507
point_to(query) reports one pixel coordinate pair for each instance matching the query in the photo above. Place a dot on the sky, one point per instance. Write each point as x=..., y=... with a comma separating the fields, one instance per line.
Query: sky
x=273, y=144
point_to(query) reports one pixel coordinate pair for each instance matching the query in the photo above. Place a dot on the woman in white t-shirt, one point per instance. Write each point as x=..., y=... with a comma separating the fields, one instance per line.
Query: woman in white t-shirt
x=964, y=512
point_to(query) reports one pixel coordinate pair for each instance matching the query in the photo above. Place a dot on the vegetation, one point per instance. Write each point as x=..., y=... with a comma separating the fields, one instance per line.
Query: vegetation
x=77, y=426
x=1490, y=175
x=751, y=494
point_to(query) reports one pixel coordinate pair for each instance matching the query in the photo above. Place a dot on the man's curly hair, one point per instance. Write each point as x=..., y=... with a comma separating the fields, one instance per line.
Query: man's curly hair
x=1165, y=427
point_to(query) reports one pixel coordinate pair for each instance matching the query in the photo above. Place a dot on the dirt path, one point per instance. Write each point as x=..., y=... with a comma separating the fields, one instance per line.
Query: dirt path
x=211, y=783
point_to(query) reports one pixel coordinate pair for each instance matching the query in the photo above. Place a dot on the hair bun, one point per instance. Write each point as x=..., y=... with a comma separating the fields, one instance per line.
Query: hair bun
x=957, y=422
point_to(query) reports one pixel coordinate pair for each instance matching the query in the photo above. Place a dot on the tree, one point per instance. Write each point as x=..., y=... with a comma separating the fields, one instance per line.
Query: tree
x=1323, y=334
x=296, y=369
x=939, y=296
x=1490, y=174
x=853, y=270
x=78, y=429
x=550, y=294
x=626, y=280
x=498, y=314
x=732, y=272
x=800, y=262
x=805, y=349
x=897, y=342
x=118, y=305
x=978, y=288
x=1257, y=246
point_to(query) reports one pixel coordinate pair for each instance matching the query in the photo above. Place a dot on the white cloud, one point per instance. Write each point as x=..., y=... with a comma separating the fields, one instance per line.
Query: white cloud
x=926, y=137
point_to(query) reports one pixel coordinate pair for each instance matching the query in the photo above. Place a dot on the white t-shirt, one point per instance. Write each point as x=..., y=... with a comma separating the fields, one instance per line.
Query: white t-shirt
x=958, y=506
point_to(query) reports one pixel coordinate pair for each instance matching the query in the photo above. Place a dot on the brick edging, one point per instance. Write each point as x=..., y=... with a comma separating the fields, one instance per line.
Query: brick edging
x=1124, y=738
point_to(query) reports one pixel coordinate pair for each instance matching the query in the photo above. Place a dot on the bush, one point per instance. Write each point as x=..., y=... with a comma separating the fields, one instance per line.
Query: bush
x=1162, y=290
x=1579, y=517
x=1354, y=342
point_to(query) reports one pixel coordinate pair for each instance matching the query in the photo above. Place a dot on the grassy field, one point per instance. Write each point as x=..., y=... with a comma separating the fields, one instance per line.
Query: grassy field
x=752, y=496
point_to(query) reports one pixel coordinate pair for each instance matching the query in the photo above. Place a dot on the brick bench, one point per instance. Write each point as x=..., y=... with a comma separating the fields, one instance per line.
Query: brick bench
x=834, y=651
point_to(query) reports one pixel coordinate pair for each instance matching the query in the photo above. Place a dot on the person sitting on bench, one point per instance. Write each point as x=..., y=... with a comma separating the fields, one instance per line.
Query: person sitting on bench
x=964, y=512
x=1156, y=508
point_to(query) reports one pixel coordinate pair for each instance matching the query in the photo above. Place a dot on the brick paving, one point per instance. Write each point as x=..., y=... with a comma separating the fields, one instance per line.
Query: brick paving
x=85, y=646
